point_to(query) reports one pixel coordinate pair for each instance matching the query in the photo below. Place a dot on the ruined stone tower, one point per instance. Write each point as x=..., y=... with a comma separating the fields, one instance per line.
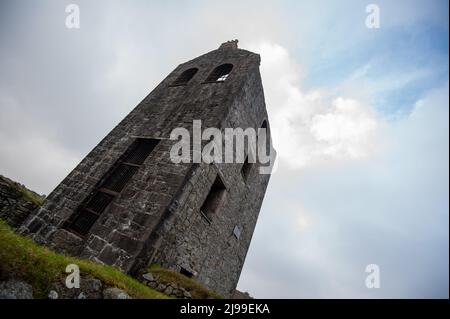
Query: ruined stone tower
x=128, y=205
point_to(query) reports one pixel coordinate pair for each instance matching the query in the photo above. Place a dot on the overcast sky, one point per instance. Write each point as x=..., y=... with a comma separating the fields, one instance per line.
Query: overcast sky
x=359, y=117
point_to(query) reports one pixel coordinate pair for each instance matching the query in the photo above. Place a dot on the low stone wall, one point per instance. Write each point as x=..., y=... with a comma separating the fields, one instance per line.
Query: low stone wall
x=14, y=206
x=170, y=289
x=90, y=288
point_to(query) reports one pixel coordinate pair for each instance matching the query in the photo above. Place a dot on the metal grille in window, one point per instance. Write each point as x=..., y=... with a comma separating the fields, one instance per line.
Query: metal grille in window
x=83, y=222
x=119, y=177
x=185, y=77
x=220, y=73
x=140, y=150
x=99, y=202
x=110, y=186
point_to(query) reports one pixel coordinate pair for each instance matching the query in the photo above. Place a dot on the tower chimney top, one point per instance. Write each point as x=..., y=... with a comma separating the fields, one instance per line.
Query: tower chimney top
x=233, y=44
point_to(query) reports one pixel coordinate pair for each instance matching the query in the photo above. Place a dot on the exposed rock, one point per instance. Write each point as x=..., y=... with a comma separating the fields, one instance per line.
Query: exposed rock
x=161, y=287
x=187, y=294
x=53, y=294
x=152, y=284
x=148, y=276
x=90, y=288
x=91, y=285
x=240, y=295
x=178, y=293
x=82, y=295
x=115, y=293
x=168, y=291
x=168, y=288
x=15, y=289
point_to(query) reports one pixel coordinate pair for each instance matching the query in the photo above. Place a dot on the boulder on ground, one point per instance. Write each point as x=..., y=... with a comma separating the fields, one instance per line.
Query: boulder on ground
x=15, y=289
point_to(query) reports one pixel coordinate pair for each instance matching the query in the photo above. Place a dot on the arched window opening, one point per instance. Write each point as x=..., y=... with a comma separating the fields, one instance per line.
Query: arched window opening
x=220, y=73
x=185, y=77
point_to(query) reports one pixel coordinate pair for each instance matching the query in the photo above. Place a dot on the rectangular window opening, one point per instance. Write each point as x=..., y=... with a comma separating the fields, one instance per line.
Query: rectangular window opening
x=110, y=186
x=84, y=220
x=214, y=199
x=186, y=272
x=139, y=151
x=99, y=201
x=119, y=177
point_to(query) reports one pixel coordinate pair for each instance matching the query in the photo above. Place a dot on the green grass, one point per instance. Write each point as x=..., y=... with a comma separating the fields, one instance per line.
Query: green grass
x=31, y=196
x=21, y=258
x=26, y=194
x=197, y=290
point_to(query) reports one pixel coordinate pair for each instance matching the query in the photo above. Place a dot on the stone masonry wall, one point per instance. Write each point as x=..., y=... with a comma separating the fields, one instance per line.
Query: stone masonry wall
x=209, y=249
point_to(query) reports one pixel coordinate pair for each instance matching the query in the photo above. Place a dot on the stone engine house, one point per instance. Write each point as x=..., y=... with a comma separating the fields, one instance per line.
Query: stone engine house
x=128, y=205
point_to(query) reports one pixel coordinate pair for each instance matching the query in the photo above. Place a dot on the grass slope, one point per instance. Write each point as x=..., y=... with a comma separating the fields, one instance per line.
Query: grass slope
x=21, y=258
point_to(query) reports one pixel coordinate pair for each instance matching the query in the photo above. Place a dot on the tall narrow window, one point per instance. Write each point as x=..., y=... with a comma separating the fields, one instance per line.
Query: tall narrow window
x=214, y=200
x=221, y=73
x=185, y=77
x=110, y=186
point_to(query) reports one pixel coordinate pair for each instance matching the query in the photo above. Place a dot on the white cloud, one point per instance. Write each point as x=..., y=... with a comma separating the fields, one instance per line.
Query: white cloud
x=390, y=209
x=315, y=126
x=347, y=130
